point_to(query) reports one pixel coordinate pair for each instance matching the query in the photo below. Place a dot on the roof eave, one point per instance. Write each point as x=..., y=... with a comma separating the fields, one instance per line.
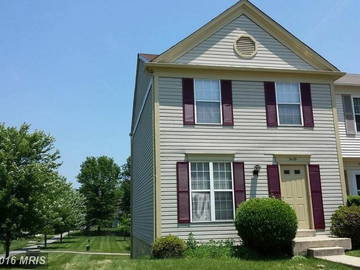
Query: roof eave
x=153, y=67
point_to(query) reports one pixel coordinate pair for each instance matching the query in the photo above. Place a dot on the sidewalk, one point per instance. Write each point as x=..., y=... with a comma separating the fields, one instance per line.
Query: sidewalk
x=343, y=259
x=56, y=238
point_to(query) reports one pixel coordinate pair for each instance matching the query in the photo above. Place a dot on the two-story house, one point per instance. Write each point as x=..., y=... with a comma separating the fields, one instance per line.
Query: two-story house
x=239, y=109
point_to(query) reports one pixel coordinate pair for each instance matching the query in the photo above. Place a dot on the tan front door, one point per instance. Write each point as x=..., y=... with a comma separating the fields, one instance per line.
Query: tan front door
x=294, y=191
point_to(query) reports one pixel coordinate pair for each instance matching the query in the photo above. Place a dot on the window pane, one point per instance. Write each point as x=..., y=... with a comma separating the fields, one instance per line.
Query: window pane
x=357, y=105
x=200, y=176
x=201, y=206
x=207, y=90
x=357, y=117
x=208, y=112
x=223, y=206
x=222, y=176
x=289, y=114
x=287, y=93
x=358, y=184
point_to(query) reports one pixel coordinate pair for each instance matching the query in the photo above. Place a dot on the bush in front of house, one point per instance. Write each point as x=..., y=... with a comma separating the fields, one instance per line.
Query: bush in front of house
x=353, y=200
x=266, y=225
x=345, y=222
x=168, y=247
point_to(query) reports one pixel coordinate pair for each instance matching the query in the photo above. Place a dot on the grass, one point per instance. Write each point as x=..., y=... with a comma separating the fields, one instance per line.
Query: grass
x=105, y=241
x=89, y=262
x=355, y=253
x=23, y=242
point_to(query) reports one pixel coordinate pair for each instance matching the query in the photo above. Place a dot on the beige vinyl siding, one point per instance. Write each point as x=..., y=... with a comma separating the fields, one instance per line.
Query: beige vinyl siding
x=142, y=176
x=218, y=49
x=251, y=142
x=350, y=144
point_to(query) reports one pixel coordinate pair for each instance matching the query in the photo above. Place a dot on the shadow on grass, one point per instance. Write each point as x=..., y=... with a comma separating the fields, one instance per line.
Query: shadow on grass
x=52, y=248
x=122, y=240
x=245, y=253
x=99, y=233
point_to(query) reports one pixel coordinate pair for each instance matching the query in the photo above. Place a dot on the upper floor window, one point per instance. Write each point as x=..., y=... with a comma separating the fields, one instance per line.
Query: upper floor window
x=211, y=191
x=288, y=104
x=357, y=112
x=207, y=102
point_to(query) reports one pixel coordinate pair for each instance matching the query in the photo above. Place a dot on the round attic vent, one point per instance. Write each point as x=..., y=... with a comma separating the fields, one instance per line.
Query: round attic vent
x=245, y=46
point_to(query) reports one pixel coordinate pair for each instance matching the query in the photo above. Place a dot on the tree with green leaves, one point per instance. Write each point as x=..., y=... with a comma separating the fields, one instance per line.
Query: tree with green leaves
x=72, y=210
x=26, y=161
x=124, y=191
x=63, y=208
x=99, y=179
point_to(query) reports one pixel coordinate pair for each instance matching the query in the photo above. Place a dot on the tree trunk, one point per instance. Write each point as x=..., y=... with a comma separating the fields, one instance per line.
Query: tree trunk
x=45, y=240
x=68, y=234
x=7, y=247
x=98, y=228
x=61, y=237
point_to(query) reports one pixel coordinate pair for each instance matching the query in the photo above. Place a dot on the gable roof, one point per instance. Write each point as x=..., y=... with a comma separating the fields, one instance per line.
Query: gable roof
x=244, y=7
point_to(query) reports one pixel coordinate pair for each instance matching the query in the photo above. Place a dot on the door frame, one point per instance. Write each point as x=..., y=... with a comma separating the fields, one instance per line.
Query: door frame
x=284, y=160
x=351, y=173
x=307, y=186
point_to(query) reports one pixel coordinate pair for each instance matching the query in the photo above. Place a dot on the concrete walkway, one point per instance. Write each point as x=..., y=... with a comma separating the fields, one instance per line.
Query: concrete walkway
x=343, y=259
x=56, y=238
x=87, y=253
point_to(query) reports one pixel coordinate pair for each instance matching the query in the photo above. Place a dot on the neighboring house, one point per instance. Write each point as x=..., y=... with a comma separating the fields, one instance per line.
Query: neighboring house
x=239, y=109
x=348, y=107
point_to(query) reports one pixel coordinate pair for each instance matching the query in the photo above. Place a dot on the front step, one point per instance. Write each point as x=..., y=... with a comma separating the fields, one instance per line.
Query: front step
x=305, y=233
x=326, y=251
x=302, y=244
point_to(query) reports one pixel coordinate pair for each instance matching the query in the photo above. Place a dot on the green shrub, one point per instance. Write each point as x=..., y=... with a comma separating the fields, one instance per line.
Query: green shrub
x=191, y=243
x=266, y=225
x=345, y=222
x=168, y=247
x=211, y=249
x=353, y=200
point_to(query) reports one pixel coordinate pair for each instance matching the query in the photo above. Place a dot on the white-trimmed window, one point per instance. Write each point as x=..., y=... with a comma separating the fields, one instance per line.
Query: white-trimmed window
x=207, y=101
x=288, y=99
x=356, y=102
x=212, y=196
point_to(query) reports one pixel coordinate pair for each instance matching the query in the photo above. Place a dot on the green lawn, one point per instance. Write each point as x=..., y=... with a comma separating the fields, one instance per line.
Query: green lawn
x=92, y=262
x=108, y=241
x=355, y=253
x=22, y=242
x=16, y=244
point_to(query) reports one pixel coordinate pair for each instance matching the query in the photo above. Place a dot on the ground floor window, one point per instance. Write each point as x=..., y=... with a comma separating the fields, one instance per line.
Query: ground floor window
x=354, y=182
x=357, y=188
x=212, y=196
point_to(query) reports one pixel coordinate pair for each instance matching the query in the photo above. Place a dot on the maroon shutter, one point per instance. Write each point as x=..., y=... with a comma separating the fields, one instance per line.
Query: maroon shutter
x=307, y=105
x=227, y=104
x=183, y=198
x=188, y=101
x=316, y=197
x=274, y=181
x=239, y=183
x=270, y=102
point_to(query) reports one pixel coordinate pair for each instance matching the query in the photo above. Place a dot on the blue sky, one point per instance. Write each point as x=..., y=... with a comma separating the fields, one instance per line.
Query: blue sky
x=67, y=67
